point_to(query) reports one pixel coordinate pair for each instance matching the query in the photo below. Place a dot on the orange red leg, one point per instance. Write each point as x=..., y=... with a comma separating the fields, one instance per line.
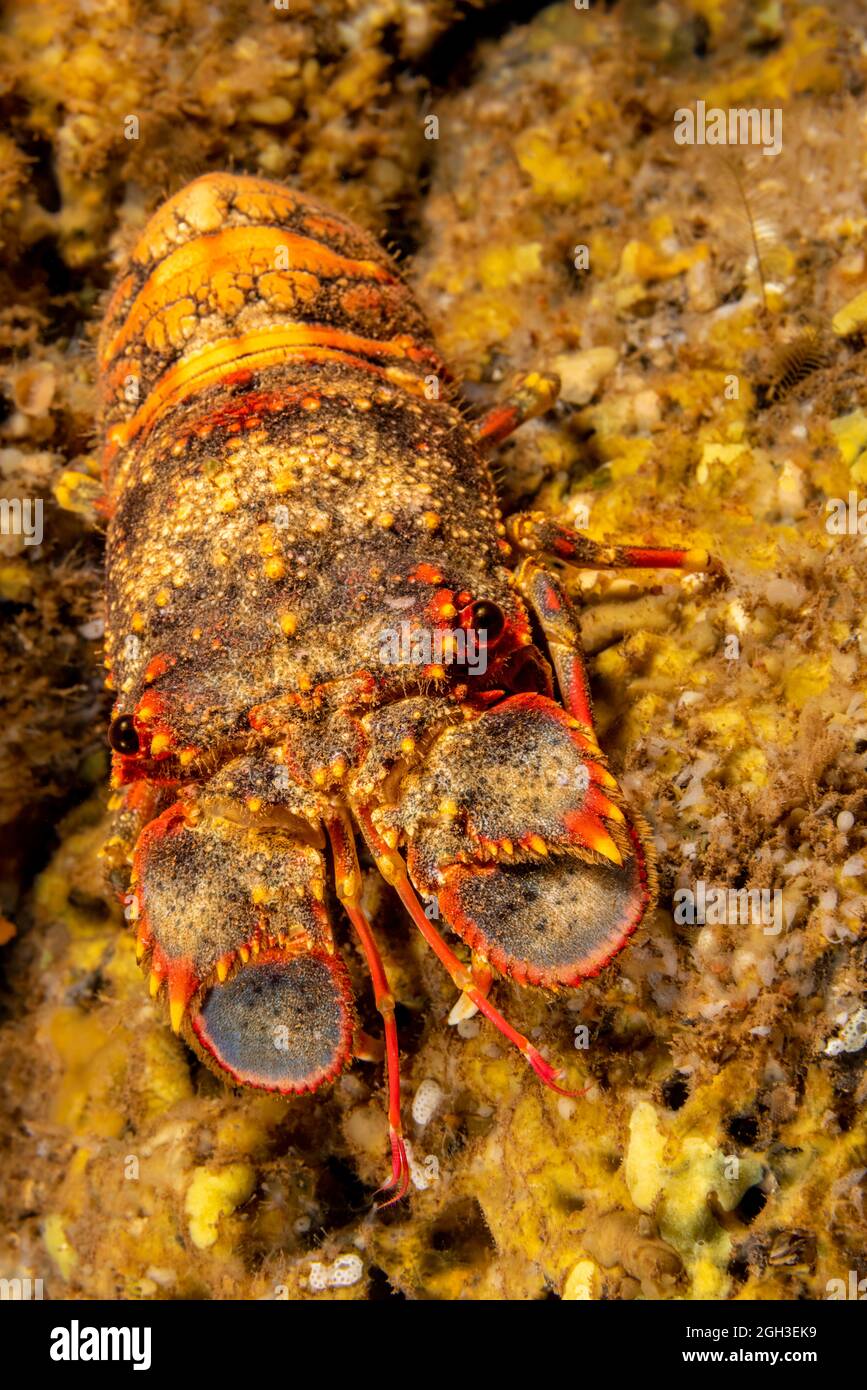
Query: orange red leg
x=547, y=598
x=393, y=870
x=530, y=395
x=536, y=533
x=348, y=882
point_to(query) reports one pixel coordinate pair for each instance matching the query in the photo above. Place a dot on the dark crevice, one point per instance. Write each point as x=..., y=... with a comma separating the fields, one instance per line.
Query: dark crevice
x=380, y=1287
x=340, y=1193
x=452, y=61
x=751, y=1205
x=744, y=1129
x=675, y=1091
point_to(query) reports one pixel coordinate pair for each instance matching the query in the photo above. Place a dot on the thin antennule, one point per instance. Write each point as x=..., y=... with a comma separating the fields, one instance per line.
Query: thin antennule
x=735, y=172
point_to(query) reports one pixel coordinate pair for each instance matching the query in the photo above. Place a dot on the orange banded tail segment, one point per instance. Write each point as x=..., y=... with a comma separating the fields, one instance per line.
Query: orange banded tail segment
x=238, y=275
x=221, y=199
x=215, y=270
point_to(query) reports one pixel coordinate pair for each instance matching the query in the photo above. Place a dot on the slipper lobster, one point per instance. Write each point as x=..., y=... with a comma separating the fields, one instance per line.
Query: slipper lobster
x=289, y=482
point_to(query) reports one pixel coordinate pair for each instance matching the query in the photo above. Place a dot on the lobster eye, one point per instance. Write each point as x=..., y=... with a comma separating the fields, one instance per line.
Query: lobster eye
x=122, y=735
x=489, y=618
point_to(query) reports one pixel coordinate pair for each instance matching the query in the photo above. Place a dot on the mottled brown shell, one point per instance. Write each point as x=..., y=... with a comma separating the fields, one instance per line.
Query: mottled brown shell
x=296, y=506
x=284, y=484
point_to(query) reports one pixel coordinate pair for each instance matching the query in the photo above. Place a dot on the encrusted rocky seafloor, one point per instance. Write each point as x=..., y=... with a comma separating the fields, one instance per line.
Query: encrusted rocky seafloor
x=706, y=309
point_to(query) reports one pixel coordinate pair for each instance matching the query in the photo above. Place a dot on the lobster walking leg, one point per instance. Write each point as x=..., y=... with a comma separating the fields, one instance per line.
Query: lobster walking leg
x=393, y=870
x=483, y=978
x=348, y=881
x=529, y=396
x=535, y=533
x=558, y=620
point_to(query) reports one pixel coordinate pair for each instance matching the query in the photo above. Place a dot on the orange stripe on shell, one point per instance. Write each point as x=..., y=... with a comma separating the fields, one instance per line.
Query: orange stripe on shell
x=218, y=264
x=266, y=348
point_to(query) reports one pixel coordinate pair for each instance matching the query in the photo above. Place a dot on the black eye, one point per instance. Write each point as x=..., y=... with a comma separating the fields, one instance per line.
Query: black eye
x=122, y=735
x=489, y=618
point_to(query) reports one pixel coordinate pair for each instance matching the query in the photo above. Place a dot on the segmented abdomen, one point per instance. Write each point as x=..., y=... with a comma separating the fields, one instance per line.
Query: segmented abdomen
x=281, y=477
x=235, y=274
